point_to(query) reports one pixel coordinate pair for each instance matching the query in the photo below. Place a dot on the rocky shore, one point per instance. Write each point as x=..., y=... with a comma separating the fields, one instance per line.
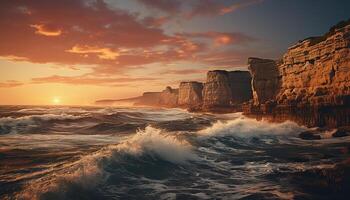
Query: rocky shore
x=309, y=85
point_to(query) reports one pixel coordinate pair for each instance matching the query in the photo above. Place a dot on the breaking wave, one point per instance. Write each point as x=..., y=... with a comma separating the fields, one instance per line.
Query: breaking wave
x=245, y=127
x=148, y=144
x=141, y=153
x=153, y=141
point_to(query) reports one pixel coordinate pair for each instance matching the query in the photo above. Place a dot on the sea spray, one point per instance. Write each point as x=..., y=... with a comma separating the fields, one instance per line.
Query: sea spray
x=89, y=171
x=246, y=127
x=154, y=141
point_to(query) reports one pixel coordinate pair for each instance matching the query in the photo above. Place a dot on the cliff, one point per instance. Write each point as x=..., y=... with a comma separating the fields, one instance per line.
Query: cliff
x=217, y=91
x=265, y=79
x=240, y=84
x=149, y=99
x=169, y=97
x=190, y=94
x=226, y=89
x=310, y=85
x=166, y=98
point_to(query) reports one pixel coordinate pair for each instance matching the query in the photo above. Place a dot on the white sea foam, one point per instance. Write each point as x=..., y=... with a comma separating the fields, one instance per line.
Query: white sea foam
x=154, y=141
x=87, y=171
x=246, y=127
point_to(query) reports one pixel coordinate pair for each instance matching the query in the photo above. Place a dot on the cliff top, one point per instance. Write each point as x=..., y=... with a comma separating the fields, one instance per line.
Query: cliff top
x=226, y=72
x=317, y=39
x=252, y=60
x=192, y=82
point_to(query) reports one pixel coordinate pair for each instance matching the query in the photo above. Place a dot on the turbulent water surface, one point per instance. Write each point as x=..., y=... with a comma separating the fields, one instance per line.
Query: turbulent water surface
x=147, y=153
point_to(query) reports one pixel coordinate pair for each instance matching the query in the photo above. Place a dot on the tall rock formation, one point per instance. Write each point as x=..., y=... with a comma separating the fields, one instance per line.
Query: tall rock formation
x=190, y=94
x=169, y=97
x=240, y=84
x=226, y=89
x=217, y=91
x=311, y=84
x=265, y=79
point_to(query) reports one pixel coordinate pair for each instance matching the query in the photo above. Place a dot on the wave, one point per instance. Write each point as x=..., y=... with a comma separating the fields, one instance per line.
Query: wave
x=90, y=170
x=246, y=127
x=155, y=142
x=20, y=124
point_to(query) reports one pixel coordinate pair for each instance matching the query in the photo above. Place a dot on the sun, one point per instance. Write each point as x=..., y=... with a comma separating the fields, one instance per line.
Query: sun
x=56, y=100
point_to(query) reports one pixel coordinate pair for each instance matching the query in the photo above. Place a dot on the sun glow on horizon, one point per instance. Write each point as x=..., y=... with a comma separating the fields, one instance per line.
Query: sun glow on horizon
x=56, y=100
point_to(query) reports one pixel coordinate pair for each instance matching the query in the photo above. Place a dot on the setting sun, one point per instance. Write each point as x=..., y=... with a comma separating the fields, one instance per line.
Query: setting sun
x=56, y=100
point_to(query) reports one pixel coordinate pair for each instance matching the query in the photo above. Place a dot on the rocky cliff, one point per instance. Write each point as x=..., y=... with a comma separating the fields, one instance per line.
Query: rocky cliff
x=166, y=98
x=190, y=94
x=226, y=89
x=217, y=91
x=311, y=84
x=265, y=79
x=240, y=84
x=149, y=99
x=169, y=97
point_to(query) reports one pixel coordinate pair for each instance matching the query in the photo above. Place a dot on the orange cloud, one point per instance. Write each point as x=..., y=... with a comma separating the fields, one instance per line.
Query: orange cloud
x=95, y=34
x=89, y=80
x=184, y=71
x=221, y=38
x=215, y=7
x=102, y=53
x=236, y=6
x=10, y=83
x=42, y=29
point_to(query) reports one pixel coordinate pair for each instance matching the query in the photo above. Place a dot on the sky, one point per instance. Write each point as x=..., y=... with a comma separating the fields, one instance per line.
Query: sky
x=74, y=52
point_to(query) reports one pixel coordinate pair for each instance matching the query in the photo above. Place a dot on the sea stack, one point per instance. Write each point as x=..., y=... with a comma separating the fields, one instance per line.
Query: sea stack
x=225, y=89
x=190, y=94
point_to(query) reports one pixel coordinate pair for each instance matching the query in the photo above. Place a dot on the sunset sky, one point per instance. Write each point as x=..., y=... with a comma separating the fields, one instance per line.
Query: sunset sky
x=78, y=51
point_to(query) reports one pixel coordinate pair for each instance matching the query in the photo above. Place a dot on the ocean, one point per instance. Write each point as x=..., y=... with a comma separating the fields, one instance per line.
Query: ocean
x=56, y=152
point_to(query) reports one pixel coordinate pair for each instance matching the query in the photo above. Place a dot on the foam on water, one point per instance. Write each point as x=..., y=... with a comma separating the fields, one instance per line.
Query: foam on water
x=152, y=140
x=246, y=127
x=88, y=171
x=234, y=157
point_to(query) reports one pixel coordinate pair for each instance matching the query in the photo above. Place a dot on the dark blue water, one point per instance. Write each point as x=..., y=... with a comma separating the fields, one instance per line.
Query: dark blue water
x=148, y=153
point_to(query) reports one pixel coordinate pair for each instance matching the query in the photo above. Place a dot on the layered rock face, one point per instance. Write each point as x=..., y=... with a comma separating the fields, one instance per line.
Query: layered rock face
x=169, y=97
x=217, y=91
x=310, y=85
x=265, y=79
x=166, y=98
x=190, y=94
x=317, y=72
x=148, y=98
x=240, y=84
x=225, y=89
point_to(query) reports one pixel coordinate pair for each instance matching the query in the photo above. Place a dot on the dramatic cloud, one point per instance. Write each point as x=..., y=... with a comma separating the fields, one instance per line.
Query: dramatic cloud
x=10, y=84
x=102, y=53
x=217, y=7
x=184, y=71
x=236, y=6
x=42, y=29
x=105, y=38
x=192, y=8
x=88, y=80
x=222, y=38
x=172, y=6
x=77, y=26
x=225, y=58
